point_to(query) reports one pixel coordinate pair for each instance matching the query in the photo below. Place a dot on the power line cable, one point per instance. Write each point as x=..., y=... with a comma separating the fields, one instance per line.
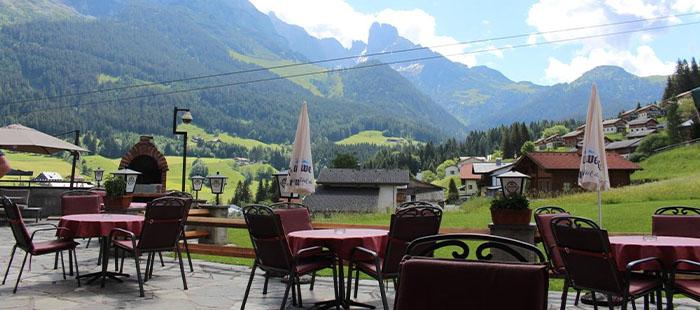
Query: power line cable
x=508, y=37
x=360, y=67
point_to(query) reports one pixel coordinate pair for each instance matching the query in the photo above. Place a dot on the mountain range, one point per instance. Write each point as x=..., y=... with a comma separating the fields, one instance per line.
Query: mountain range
x=56, y=47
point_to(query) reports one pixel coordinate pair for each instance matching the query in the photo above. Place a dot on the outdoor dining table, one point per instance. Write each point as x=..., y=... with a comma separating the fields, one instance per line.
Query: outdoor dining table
x=100, y=225
x=341, y=241
x=667, y=249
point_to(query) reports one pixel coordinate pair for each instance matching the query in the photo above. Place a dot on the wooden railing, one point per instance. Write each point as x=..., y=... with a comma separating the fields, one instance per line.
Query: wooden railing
x=244, y=252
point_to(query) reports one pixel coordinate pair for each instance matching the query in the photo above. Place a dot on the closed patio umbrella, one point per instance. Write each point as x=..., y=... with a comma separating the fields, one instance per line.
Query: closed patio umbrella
x=301, y=172
x=593, y=172
x=20, y=138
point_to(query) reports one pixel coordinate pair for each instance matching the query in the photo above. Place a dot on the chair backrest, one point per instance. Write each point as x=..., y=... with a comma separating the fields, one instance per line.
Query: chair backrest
x=676, y=221
x=426, y=283
x=585, y=249
x=406, y=225
x=460, y=244
x=268, y=238
x=294, y=216
x=163, y=223
x=418, y=203
x=543, y=216
x=101, y=194
x=20, y=196
x=178, y=194
x=80, y=202
x=19, y=230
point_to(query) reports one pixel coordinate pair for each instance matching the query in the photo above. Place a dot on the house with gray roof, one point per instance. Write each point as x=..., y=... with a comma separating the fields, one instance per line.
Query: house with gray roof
x=640, y=133
x=490, y=183
x=357, y=190
x=623, y=147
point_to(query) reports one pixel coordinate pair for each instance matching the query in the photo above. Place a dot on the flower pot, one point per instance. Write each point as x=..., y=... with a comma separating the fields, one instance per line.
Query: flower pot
x=117, y=204
x=501, y=216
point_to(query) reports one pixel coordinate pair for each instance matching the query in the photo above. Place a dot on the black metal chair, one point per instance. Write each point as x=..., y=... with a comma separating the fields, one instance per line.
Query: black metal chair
x=407, y=224
x=591, y=266
x=21, y=198
x=294, y=217
x=162, y=229
x=417, y=203
x=183, y=195
x=25, y=241
x=543, y=217
x=688, y=286
x=273, y=255
x=478, y=272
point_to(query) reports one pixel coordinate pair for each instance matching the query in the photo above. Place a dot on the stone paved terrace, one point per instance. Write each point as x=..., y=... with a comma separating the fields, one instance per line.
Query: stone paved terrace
x=212, y=285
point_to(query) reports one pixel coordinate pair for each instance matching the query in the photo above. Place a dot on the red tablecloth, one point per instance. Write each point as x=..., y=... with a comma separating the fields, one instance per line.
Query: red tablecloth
x=340, y=241
x=99, y=225
x=668, y=249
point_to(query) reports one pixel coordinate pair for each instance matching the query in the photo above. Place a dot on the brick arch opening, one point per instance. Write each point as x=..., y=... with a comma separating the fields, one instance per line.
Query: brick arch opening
x=144, y=157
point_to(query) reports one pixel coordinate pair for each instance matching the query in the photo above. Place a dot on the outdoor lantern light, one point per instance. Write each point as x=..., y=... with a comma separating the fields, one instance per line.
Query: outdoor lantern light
x=197, y=182
x=513, y=183
x=282, y=185
x=217, y=183
x=99, y=173
x=186, y=119
x=129, y=178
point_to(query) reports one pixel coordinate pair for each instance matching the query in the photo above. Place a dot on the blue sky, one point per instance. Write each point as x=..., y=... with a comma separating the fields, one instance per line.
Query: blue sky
x=431, y=23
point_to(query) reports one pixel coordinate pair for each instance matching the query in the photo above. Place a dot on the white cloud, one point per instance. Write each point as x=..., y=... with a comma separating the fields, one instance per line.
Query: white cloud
x=642, y=62
x=337, y=19
x=631, y=51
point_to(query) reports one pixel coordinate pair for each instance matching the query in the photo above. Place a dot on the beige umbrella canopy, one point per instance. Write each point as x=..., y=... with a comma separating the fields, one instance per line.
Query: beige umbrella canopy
x=19, y=138
x=301, y=172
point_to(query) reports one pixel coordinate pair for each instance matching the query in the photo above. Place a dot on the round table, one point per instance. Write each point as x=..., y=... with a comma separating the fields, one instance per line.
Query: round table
x=667, y=249
x=341, y=241
x=100, y=225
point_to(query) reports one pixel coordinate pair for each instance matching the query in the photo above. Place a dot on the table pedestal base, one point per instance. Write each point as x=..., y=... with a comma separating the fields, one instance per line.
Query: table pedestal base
x=100, y=275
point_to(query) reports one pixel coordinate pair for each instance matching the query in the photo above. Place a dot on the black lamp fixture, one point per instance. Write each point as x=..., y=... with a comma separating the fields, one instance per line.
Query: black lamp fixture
x=197, y=182
x=130, y=177
x=217, y=183
x=99, y=174
x=186, y=119
x=513, y=183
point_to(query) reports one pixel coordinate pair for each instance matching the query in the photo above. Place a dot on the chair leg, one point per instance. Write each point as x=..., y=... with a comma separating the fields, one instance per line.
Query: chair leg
x=349, y=286
x=669, y=298
x=70, y=263
x=77, y=273
x=247, y=289
x=564, y=293
x=578, y=296
x=138, y=275
x=646, y=302
x=336, y=290
x=182, y=267
x=55, y=262
x=294, y=290
x=148, y=267
x=187, y=250
x=160, y=255
x=658, y=299
x=63, y=266
x=116, y=259
x=14, y=248
x=153, y=262
x=382, y=290
x=286, y=291
x=19, y=276
x=298, y=281
x=88, y=243
x=357, y=281
x=595, y=301
x=267, y=278
x=121, y=265
x=313, y=281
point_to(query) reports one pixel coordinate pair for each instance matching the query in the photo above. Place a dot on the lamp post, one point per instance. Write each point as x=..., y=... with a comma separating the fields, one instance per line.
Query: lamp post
x=130, y=177
x=217, y=183
x=282, y=185
x=197, y=182
x=513, y=183
x=99, y=173
x=186, y=119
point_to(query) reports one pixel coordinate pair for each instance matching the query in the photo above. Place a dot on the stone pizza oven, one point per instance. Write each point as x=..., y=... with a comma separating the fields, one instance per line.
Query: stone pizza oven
x=144, y=157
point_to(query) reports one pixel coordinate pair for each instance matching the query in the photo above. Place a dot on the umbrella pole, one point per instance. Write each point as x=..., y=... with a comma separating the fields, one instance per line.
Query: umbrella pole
x=600, y=209
x=75, y=159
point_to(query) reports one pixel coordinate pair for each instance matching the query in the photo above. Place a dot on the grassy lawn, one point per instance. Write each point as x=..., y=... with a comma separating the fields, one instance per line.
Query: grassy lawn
x=681, y=161
x=225, y=138
x=372, y=137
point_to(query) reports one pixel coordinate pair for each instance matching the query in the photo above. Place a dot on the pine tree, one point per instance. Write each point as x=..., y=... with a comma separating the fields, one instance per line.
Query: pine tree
x=673, y=123
x=261, y=193
x=273, y=190
x=452, y=192
x=506, y=148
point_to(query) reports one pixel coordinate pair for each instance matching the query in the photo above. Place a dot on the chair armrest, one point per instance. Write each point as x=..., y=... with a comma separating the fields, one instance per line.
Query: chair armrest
x=674, y=267
x=365, y=251
x=48, y=229
x=42, y=224
x=124, y=231
x=309, y=250
x=631, y=265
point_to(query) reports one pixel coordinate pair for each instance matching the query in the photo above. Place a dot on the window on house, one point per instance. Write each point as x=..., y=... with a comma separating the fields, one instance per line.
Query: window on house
x=471, y=186
x=567, y=186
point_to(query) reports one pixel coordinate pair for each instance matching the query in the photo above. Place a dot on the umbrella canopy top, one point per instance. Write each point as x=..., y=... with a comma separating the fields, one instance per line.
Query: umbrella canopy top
x=20, y=138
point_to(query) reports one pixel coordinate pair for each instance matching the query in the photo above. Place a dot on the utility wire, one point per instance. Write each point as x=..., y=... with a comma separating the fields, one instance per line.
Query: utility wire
x=371, y=65
x=508, y=37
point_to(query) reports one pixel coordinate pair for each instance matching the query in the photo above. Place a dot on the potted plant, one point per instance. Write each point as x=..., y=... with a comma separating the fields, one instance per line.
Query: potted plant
x=513, y=210
x=116, y=197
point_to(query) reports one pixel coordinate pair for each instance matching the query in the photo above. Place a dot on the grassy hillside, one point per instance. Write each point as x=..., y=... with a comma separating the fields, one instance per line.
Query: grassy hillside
x=195, y=131
x=227, y=167
x=682, y=161
x=372, y=137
